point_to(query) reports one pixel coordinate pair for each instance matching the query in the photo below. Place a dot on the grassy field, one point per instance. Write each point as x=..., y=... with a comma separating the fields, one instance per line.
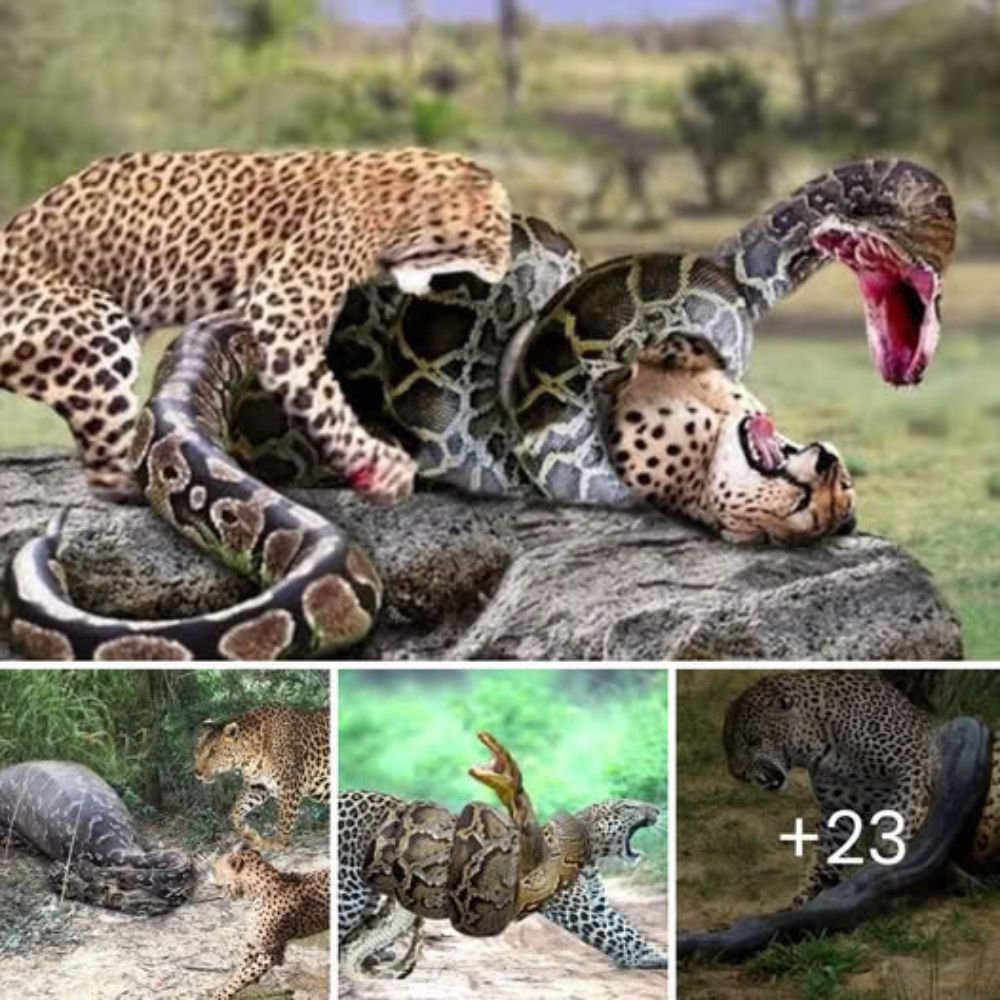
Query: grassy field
x=926, y=461
x=730, y=864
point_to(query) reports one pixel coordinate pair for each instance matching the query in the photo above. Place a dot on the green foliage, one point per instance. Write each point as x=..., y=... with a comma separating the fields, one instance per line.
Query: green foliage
x=579, y=736
x=137, y=728
x=720, y=112
x=819, y=963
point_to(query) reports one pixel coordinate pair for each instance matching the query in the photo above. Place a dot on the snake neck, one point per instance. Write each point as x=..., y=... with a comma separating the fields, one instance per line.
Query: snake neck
x=779, y=249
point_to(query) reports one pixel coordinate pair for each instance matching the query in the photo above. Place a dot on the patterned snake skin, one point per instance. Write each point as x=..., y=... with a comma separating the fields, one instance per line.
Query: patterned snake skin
x=72, y=816
x=498, y=390
x=480, y=869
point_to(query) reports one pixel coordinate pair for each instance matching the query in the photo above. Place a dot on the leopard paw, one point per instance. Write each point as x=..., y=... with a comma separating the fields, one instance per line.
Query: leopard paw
x=386, y=479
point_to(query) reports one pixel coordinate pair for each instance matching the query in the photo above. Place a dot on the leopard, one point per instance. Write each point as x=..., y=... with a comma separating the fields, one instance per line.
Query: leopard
x=866, y=748
x=144, y=240
x=287, y=905
x=282, y=753
x=581, y=907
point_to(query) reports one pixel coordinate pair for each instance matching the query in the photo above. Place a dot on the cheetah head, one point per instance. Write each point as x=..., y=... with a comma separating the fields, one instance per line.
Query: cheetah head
x=611, y=824
x=689, y=440
x=764, y=487
x=453, y=216
x=771, y=728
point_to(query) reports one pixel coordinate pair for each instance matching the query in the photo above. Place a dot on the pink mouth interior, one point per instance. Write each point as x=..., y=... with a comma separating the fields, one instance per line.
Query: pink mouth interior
x=900, y=302
x=761, y=430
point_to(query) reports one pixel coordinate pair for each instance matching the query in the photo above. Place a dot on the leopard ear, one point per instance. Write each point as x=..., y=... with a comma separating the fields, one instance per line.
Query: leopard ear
x=232, y=729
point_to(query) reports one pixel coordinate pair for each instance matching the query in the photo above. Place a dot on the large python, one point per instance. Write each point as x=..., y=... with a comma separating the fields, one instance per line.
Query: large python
x=72, y=816
x=947, y=835
x=614, y=385
x=481, y=869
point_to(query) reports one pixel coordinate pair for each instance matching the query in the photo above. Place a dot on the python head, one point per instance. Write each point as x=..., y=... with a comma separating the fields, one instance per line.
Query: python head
x=898, y=244
x=611, y=824
x=501, y=773
x=688, y=439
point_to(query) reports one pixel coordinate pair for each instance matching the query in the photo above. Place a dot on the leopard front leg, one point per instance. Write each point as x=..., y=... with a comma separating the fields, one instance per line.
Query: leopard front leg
x=355, y=900
x=288, y=811
x=256, y=962
x=292, y=326
x=583, y=909
x=249, y=798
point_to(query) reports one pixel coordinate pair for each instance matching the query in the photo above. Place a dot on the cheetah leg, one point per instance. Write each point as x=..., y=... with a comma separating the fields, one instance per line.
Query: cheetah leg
x=583, y=909
x=255, y=963
x=249, y=798
x=73, y=348
x=292, y=330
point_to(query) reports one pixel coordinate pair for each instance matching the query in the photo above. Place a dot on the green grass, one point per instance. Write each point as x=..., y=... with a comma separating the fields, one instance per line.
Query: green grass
x=929, y=460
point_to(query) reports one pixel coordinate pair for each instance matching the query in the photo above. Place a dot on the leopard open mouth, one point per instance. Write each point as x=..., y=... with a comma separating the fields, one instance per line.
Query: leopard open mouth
x=630, y=854
x=769, y=776
x=902, y=297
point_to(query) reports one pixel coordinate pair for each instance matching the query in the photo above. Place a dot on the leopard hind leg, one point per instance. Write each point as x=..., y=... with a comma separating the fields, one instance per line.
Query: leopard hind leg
x=73, y=348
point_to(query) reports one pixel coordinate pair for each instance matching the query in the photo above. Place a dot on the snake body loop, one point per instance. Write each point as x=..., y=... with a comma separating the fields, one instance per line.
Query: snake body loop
x=501, y=390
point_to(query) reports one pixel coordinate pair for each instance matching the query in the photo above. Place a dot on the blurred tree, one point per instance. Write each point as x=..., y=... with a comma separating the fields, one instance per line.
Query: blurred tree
x=809, y=26
x=720, y=112
x=258, y=22
x=413, y=30
x=510, y=51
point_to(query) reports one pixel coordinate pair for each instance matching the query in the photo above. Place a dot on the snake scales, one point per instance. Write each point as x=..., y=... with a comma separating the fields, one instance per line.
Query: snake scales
x=481, y=868
x=502, y=390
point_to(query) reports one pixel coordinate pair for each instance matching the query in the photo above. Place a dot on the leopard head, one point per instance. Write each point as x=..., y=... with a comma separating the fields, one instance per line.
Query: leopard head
x=451, y=215
x=227, y=746
x=772, y=727
x=611, y=824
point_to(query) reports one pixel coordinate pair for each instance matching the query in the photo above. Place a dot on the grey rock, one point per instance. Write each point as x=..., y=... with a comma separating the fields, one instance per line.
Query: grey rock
x=481, y=579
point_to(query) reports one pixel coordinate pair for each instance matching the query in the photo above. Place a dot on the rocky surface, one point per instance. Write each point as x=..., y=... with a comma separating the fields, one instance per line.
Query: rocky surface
x=474, y=579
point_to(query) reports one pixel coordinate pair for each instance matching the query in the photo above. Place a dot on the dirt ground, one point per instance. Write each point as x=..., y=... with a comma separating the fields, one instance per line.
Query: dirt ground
x=534, y=958
x=72, y=951
x=730, y=864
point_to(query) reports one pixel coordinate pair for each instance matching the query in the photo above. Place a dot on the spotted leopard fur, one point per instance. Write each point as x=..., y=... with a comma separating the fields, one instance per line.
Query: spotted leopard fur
x=286, y=905
x=620, y=388
x=146, y=240
x=866, y=748
x=282, y=753
x=368, y=822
